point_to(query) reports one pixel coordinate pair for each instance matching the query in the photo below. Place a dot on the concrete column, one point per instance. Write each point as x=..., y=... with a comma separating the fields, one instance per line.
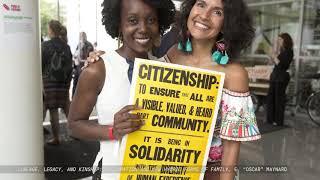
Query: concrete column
x=21, y=136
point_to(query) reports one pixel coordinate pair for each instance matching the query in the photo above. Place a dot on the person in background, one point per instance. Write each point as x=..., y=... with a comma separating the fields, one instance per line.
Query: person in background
x=281, y=56
x=82, y=52
x=106, y=83
x=95, y=45
x=56, y=80
x=168, y=39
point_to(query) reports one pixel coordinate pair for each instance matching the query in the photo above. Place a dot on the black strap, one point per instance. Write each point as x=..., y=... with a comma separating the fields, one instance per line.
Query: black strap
x=130, y=69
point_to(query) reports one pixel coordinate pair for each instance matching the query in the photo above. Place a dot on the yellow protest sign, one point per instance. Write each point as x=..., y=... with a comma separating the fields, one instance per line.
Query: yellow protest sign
x=179, y=106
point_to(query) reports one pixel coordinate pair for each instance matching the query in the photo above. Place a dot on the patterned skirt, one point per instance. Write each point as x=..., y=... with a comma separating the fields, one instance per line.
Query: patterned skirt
x=56, y=94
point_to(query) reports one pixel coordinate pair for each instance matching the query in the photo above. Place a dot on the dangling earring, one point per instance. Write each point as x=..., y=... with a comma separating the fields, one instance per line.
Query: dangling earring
x=224, y=59
x=119, y=39
x=216, y=56
x=220, y=55
x=188, y=45
x=180, y=46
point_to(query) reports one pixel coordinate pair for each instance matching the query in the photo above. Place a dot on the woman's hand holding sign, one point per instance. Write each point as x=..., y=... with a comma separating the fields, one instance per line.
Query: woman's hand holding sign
x=126, y=122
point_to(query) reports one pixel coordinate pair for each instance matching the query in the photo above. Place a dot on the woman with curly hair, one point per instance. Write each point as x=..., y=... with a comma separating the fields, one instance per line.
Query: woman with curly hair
x=213, y=32
x=106, y=84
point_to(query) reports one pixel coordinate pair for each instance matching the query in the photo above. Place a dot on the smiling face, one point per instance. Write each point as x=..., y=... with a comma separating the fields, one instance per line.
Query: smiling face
x=139, y=27
x=206, y=19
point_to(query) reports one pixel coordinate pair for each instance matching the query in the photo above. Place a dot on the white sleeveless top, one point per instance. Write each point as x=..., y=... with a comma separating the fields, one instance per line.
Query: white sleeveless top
x=113, y=96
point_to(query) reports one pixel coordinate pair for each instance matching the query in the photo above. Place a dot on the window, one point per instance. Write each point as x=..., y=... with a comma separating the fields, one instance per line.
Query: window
x=311, y=29
x=270, y=21
x=51, y=9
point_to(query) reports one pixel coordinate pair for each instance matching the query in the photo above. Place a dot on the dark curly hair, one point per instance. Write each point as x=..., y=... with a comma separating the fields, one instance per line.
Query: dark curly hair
x=112, y=9
x=238, y=31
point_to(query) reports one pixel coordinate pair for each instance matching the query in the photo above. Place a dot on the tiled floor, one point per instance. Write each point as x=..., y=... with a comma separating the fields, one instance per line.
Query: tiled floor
x=296, y=147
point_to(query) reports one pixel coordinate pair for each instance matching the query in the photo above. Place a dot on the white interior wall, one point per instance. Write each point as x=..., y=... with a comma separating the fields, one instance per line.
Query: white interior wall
x=21, y=137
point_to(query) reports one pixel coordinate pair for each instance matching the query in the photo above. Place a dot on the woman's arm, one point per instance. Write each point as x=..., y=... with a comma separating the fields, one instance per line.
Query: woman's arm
x=273, y=57
x=89, y=86
x=237, y=81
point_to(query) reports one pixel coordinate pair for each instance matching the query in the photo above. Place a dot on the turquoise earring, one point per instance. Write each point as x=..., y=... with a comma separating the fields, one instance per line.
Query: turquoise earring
x=224, y=59
x=218, y=56
x=188, y=46
x=180, y=46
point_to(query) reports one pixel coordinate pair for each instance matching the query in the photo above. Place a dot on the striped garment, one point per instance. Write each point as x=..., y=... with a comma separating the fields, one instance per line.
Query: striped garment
x=55, y=94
